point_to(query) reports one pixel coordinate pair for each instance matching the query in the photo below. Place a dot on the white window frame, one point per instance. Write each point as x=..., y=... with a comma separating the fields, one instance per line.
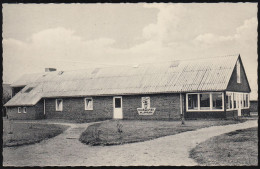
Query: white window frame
x=85, y=101
x=232, y=101
x=19, y=110
x=248, y=102
x=57, y=105
x=239, y=96
x=238, y=72
x=24, y=109
x=211, y=102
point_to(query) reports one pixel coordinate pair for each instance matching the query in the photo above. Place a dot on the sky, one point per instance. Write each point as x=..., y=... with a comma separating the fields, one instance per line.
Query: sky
x=80, y=36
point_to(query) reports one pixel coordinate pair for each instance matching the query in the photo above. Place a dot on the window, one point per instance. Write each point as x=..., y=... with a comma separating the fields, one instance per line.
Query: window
x=213, y=101
x=241, y=100
x=238, y=72
x=146, y=102
x=24, y=110
x=246, y=100
x=117, y=102
x=204, y=102
x=88, y=104
x=217, y=101
x=235, y=100
x=193, y=101
x=19, y=110
x=229, y=100
x=59, y=104
x=28, y=90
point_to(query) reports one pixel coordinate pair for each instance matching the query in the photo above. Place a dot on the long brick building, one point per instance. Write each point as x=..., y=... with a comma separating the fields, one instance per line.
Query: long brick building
x=200, y=88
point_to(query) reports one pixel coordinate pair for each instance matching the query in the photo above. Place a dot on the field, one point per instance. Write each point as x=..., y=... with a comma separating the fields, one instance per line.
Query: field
x=129, y=131
x=17, y=134
x=235, y=148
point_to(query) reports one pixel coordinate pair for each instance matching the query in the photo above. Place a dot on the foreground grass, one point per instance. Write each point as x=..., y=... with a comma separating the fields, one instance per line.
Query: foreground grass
x=107, y=133
x=238, y=148
x=28, y=133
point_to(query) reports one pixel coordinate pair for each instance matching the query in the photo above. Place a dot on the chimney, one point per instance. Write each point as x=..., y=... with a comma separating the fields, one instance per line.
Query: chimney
x=50, y=69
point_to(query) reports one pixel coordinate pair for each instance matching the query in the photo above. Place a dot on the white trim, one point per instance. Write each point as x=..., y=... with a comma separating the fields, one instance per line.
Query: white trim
x=238, y=72
x=57, y=105
x=24, y=110
x=19, y=110
x=114, y=106
x=198, y=99
x=88, y=108
x=210, y=102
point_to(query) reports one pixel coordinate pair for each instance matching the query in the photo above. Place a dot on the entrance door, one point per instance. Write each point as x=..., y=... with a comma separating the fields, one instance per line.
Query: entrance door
x=118, y=111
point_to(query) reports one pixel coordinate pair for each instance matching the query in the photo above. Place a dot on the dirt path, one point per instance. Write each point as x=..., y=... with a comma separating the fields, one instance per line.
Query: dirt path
x=66, y=150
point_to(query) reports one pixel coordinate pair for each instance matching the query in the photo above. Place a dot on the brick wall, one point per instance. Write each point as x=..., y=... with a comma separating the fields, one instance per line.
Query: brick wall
x=12, y=113
x=205, y=115
x=167, y=107
x=254, y=106
x=231, y=114
x=39, y=110
x=73, y=109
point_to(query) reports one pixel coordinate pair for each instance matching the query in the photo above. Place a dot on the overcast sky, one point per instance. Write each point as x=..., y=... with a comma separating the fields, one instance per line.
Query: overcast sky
x=78, y=36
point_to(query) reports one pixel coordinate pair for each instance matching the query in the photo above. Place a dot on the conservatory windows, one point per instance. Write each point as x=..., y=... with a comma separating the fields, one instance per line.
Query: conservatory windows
x=205, y=101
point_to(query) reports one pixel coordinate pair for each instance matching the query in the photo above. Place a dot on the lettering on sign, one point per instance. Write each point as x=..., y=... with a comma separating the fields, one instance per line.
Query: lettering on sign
x=146, y=110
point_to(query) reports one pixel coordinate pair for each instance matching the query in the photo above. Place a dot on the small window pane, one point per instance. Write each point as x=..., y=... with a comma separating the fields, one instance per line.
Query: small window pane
x=59, y=105
x=235, y=100
x=117, y=102
x=229, y=100
x=24, y=110
x=204, y=102
x=19, y=110
x=192, y=101
x=89, y=104
x=246, y=100
x=217, y=100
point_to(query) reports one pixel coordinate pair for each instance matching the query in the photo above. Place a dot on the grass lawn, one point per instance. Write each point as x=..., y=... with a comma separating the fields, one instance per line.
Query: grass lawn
x=235, y=148
x=28, y=133
x=106, y=133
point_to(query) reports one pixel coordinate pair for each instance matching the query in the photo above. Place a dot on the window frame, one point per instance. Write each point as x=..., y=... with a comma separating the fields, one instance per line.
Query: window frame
x=238, y=96
x=232, y=101
x=19, y=110
x=57, y=105
x=24, y=109
x=211, y=102
x=85, y=103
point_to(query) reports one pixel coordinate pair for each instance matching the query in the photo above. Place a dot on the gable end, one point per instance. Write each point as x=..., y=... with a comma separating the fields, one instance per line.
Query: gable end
x=233, y=84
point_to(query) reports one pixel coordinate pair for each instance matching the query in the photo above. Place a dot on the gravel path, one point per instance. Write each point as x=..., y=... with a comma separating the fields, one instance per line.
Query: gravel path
x=66, y=150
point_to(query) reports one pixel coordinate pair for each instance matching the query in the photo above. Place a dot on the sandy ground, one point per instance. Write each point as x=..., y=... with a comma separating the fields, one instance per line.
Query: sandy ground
x=67, y=150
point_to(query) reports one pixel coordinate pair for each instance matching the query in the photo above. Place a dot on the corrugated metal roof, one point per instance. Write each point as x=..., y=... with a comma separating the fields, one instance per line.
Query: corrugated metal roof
x=208, y=74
